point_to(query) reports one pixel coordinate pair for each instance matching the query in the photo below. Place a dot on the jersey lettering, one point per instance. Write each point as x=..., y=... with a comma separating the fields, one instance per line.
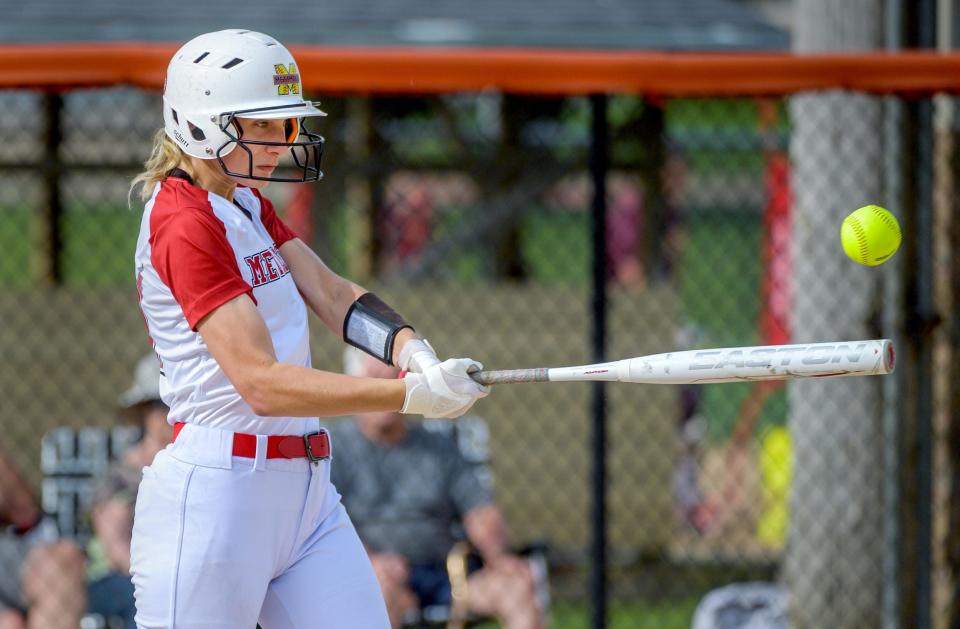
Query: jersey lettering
x=266, y=266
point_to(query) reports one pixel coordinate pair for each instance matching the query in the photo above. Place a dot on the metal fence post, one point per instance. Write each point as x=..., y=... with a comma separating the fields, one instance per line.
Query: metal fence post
x=926, y=31
x=919, y=325
x=52, y=271
x=921, y=321
x=598, y=170
x=925, y=315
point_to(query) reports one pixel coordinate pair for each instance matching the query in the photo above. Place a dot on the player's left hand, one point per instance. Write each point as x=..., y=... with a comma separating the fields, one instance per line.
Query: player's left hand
x=443, y=390
x=417, y=355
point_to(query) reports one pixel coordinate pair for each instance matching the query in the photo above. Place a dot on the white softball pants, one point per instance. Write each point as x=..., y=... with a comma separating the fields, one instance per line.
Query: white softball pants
x=226, y=542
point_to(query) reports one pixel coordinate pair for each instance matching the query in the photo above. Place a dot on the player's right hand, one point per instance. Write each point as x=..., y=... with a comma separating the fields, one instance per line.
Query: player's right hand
x=443, y=390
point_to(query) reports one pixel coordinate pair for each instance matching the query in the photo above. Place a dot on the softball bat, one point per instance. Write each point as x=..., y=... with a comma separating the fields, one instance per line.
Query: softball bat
x=728, y=364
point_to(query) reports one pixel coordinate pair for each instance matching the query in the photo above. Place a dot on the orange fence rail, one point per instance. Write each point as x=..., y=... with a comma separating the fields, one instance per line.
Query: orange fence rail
x=426, y=71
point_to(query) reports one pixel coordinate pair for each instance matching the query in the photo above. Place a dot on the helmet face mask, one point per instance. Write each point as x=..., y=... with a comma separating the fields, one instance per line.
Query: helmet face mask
x=305, y=147
x=216, y=78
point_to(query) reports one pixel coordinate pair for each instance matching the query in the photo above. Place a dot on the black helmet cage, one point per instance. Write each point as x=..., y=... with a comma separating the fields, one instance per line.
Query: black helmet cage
x=306, y=153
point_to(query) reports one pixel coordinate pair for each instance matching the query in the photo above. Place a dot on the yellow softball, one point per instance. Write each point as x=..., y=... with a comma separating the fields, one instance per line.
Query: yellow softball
x=870, y=235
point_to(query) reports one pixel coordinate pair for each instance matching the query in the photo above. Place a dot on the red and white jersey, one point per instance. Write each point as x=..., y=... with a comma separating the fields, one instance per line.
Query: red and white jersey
x=196, y=251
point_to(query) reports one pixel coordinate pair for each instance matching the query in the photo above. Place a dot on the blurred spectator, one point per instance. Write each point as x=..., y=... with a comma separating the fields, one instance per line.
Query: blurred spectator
x=624, y=225
x=408, y=220
x=110, y=589
x=407, y=490
x=690, y=503
x=41, y=579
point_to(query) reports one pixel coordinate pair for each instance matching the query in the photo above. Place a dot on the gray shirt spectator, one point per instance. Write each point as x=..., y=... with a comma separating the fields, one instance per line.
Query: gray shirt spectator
x=403, y=498
x=408, y=489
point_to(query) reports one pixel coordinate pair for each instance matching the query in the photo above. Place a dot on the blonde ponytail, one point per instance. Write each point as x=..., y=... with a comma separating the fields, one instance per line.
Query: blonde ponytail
x=164, y=157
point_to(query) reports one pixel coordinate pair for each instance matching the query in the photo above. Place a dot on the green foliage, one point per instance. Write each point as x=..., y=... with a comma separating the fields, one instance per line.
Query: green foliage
x=720, y=276
x=628, y=615
x=16, y=242
x=685, y=114
x=556, y=247
x=99, y=245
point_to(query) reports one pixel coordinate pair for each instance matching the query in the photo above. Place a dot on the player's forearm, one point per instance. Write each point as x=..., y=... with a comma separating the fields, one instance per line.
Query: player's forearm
x=238, y=339
x=327, y=294
x=486, y=531
x=290, y=391
x=333, y=309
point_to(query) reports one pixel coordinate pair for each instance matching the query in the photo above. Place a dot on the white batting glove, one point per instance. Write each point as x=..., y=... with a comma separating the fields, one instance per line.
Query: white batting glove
x=444, y=389
x=417, y=355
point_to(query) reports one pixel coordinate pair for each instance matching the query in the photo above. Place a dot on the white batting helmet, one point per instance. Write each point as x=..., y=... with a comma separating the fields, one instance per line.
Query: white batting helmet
x=217, y=77
x=146, y=383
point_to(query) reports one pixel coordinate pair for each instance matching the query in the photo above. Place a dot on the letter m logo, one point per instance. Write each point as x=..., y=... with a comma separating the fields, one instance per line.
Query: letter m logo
x=286, y=79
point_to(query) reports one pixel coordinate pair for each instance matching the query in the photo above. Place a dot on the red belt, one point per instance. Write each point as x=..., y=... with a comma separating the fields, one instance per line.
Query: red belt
x=315, y=446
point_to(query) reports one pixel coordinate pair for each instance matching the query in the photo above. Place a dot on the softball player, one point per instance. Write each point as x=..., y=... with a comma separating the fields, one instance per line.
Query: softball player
x=236, y=522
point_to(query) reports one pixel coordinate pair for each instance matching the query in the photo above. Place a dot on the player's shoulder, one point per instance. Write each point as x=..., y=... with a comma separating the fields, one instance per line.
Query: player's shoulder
x=179, y=205
x=177, y=193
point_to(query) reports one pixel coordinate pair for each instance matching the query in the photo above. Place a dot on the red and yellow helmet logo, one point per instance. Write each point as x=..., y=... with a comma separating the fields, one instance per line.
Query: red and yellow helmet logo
x=287, y=79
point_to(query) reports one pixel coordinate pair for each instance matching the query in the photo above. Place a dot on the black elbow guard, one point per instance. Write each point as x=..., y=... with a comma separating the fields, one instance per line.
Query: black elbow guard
x=372, y=325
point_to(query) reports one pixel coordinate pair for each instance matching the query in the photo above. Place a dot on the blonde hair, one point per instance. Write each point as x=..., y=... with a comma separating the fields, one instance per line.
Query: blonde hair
x=164, y=157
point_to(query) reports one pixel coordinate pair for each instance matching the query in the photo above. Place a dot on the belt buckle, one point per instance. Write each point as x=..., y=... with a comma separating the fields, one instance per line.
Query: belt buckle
x=314, y=459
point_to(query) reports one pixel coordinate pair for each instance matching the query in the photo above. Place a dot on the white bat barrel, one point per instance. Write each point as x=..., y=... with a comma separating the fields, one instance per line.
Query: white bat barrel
x=730, y=364
x=767, y=362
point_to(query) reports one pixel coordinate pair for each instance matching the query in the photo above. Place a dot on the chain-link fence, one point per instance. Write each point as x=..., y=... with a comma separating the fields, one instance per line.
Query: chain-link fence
x=470, y=214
